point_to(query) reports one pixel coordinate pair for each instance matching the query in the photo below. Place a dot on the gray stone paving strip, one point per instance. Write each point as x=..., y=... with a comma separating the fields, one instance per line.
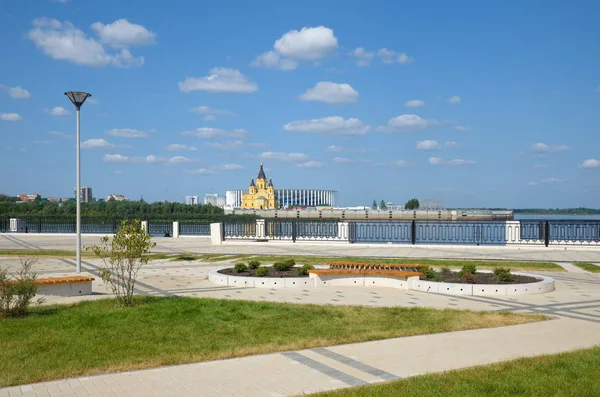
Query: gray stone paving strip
x=355, y=364
x=324, y=369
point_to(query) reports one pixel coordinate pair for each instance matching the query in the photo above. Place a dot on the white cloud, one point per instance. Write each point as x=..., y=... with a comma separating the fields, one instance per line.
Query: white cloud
x=280, y=156
x=428, y=145
x=178, y=160
x=334, y=125
x=115, y=158
x=10, y=117
x=397, y=163
x=14, y=149
x=63, y=41
x=229, y=145
x=335, y=148
x=547, y=181
x=59, y=111
x=208, y=133
x=406, y=122
x=220, y=80
x=543, y=148
x=127, y=133
x=326, y=91
x=439, y=161
x=391, y=56
x=414, y=103
x=122, y=33
x=201, y=171
x=451, y=144
x=124, y=59
x=16, y=92
x=590, y=163
x=210, y=113
x=308, y=43
x=230, y=167
x=342, y=160
x=274, y=60
x=59, y=134
x=363, y=57
x=454, y=100
x=92, y=101
x=462, y=128
x=96, y=144
x=177, y=147
x=118, y=172
x=310, y=164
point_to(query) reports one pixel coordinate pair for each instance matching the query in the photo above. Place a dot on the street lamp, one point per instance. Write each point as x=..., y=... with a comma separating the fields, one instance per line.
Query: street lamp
x=78, y=98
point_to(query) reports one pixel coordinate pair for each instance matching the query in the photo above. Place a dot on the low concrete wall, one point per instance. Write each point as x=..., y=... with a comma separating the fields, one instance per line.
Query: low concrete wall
x=65, y=289
x=546, y=284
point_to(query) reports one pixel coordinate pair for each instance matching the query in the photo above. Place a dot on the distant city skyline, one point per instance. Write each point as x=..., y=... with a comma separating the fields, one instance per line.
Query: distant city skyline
x=479, y=104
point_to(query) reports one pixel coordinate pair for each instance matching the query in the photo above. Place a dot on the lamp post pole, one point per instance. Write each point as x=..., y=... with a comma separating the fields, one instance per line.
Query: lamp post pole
x=78, y=98
x=78, y=194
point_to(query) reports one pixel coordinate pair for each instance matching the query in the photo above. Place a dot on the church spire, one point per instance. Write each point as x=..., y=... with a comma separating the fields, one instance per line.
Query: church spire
x=261, y=173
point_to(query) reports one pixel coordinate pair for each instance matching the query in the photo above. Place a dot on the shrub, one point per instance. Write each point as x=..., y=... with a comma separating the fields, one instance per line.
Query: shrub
x=123, y=257
x=261, y=272
x=290, y=261
x=240, y=267
x=468, y=268
x=282, y=266
x=303, y=271
x=469, y=278
x=17, y=293
x=445, y=270
x=503, y=275
x=254, y=264
x=429, y=273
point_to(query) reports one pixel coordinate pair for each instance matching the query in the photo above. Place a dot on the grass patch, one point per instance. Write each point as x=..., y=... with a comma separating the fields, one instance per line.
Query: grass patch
x=590, y=267
x=567, y=374
x=320, y=260
x=44, y=253
x=96, y=336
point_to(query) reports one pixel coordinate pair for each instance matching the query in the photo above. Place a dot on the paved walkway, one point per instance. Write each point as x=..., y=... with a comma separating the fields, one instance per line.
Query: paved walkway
x=202, y=245
x=575, y=305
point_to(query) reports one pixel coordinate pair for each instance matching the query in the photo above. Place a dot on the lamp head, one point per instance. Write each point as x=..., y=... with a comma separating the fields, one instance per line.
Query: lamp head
x=78, y=97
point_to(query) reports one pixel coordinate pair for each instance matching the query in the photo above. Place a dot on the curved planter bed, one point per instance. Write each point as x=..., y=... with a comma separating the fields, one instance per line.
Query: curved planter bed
x=542, y=285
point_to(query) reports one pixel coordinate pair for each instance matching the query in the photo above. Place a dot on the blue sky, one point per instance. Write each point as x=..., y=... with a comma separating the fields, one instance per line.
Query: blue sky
x=477, y=103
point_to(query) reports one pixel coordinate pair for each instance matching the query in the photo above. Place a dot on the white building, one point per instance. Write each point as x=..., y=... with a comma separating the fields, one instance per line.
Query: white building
x=215, y=199
x=117, y=197
x=192, y=200
x=289, y=198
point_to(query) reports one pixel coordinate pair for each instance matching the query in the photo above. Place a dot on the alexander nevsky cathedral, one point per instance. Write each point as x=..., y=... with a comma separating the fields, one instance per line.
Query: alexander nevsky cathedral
x=261, y=195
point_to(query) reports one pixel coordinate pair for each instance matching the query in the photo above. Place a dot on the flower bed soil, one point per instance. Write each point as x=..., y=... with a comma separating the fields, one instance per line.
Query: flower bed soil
x=293, y=272
x=482, y=278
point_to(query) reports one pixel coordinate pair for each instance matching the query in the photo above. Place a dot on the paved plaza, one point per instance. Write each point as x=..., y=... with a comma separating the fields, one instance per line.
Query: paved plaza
x=574, y=307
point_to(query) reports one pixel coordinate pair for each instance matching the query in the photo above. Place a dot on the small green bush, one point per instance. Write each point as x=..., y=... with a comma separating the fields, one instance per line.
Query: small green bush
x=303, y=271
x=429, y=273
x=468, y=278
x=468, y=268
x=17, y=292
x=254, y=264
x=261, y=272
x=290, y=261
x=282, y=266
x=503, y=275
x=445, y=270
x=240, y=267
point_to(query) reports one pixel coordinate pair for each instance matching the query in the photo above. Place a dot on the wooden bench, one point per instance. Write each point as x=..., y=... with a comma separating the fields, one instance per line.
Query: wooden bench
x=366, y=274
x=65, y=286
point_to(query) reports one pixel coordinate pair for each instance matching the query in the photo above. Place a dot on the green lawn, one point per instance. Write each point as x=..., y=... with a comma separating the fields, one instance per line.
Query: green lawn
x=96, y=336
x=316, y=260
x=590, y=267
x=564, y=375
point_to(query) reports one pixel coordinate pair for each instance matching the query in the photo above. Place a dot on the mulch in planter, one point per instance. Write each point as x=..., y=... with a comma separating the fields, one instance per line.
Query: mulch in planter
x=293, y=272
x=482, y=278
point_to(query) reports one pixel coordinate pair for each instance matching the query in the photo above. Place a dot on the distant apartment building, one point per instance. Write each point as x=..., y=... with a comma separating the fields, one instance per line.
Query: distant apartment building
x=214, y=199
x=59, y=200
x=117, y=197
x=85, y=193
x=192, y=200
x=28, y=197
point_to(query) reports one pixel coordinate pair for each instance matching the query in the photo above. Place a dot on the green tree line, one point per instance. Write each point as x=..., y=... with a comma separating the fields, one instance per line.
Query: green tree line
x=111, y=208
